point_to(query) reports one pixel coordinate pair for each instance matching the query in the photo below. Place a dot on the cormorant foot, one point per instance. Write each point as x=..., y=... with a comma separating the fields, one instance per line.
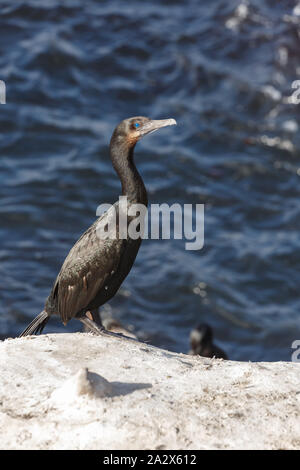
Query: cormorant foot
x=100, y=330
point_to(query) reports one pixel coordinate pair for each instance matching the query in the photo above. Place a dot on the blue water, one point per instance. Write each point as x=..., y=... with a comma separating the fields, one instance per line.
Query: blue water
x=224, y=71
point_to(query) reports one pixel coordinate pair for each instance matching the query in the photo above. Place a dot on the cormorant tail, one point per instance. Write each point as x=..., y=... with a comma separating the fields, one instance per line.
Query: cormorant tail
x=37, y=325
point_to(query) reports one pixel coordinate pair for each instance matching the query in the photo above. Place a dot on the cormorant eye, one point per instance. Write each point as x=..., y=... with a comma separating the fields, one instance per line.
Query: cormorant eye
x=136, y=124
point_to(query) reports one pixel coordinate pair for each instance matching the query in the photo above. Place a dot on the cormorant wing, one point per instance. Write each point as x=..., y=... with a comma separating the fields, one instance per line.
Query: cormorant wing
x=86, y=270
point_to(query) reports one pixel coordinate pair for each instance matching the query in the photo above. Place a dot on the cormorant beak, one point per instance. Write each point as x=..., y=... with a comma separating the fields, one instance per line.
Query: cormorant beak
x=154, y=125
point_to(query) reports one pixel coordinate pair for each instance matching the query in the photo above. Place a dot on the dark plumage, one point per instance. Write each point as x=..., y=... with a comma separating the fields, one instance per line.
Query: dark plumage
x=201, y=343
x=95, y=268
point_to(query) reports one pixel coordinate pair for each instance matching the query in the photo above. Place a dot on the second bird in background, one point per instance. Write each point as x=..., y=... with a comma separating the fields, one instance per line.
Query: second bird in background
x=201, y=343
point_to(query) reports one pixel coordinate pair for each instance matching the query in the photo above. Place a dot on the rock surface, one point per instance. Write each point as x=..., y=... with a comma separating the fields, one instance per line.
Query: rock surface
x=79, y=391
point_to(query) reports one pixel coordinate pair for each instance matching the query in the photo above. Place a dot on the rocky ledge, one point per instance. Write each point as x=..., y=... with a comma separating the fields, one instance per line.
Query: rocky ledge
x=79, y=391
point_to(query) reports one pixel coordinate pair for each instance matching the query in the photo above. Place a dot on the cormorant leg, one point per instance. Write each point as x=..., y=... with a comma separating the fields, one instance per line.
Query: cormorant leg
x=91, y=325
x=95, y=316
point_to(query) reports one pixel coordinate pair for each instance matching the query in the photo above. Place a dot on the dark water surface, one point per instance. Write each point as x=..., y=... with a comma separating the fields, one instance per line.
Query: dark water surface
x=224, y=71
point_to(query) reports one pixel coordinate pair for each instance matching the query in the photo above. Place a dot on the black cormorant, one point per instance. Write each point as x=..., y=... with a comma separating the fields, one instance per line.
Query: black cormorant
x=201, y=343
x=95, y=268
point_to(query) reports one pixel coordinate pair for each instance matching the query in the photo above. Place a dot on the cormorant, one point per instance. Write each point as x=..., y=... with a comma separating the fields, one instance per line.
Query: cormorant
x=201, y=343
x=95, y=268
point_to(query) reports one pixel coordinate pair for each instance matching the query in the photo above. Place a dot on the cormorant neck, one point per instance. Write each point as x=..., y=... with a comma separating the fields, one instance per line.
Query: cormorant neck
x=132, y=184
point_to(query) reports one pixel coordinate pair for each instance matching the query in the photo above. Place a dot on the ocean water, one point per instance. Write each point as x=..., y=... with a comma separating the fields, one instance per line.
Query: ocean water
x=224, y=70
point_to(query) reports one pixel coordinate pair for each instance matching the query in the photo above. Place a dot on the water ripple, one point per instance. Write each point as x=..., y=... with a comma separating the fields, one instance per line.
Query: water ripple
x=224, y=71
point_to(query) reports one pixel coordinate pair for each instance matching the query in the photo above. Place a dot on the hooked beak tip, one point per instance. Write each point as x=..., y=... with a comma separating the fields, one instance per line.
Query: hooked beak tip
x=165, y=122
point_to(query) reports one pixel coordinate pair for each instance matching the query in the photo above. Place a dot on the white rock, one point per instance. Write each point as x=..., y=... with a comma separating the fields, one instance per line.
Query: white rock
x=150, y=398
x=83, y=383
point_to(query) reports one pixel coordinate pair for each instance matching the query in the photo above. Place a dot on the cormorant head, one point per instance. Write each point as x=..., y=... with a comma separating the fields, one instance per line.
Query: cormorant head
x=133, y=129
x=200, y=336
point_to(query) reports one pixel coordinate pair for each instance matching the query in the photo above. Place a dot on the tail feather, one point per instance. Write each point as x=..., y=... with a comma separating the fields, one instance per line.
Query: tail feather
x=37, y=325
